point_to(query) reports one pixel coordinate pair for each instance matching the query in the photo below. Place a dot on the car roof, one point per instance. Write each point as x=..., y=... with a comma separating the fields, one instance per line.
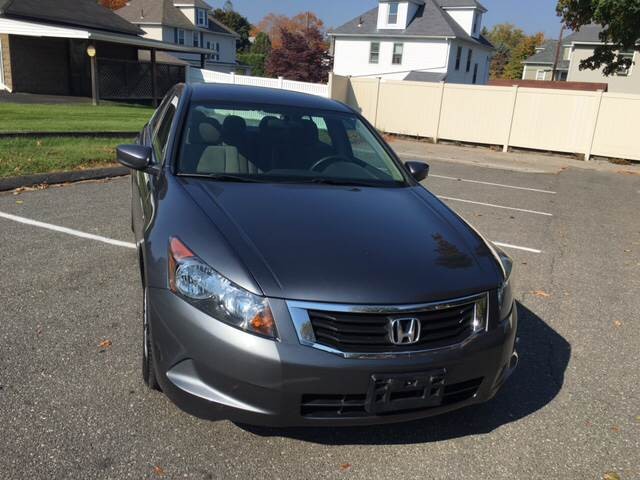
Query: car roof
x=212, y=92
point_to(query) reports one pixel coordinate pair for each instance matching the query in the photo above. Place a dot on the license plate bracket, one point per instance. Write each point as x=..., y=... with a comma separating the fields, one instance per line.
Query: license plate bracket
x=411, y=391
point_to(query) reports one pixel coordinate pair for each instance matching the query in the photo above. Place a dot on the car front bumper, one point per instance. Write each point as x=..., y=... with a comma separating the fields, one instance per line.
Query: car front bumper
x=215, y=371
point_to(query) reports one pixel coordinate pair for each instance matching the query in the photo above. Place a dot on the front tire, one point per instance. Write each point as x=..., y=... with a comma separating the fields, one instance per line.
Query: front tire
x=148, y=364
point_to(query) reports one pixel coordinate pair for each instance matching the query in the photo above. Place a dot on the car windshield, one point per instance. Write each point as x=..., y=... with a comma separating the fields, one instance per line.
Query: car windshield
x=283, y=144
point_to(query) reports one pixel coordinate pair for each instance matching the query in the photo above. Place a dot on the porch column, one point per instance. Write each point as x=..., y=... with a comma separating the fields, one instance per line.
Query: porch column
x=202, y=61
x=154, y=80
x=95, y=94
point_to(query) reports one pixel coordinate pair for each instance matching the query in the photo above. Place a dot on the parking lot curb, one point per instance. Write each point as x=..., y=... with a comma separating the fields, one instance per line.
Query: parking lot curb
x=12, y=183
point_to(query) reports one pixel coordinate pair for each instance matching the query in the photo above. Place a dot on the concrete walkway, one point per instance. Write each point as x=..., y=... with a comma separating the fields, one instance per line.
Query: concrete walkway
x=519, y=161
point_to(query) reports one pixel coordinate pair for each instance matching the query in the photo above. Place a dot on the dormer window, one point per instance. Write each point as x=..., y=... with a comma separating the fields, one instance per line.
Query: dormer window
x=393, y=13
x=201, y=18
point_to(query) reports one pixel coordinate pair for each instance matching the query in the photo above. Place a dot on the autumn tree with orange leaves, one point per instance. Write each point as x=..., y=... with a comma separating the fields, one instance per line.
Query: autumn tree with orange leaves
x=273, y=25
x=113, y=4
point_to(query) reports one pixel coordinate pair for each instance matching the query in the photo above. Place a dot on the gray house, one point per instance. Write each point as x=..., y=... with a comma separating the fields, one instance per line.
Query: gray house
x=576, y=47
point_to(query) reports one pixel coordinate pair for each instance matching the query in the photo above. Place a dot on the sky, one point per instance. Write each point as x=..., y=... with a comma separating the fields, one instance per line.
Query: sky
x=530, y=15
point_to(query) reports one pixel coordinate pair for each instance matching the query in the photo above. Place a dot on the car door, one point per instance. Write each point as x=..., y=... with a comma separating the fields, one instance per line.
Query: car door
x=155, y=136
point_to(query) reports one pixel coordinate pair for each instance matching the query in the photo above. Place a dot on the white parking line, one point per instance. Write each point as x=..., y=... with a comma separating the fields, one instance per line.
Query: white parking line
x=68, y=231
x=496, y=206
x=458, y=179
x=516, y=247
x=118, y=243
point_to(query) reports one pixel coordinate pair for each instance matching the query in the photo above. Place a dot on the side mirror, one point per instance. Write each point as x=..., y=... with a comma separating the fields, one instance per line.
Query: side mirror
x=418, y=170
x=137, y=157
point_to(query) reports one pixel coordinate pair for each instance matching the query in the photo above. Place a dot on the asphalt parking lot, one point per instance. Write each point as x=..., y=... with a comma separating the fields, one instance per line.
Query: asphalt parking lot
x=71, y=408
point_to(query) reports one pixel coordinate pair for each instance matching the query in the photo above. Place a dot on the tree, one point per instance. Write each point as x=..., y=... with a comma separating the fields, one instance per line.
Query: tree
x=302, y=56
x=620, y=21
x=261, y=44
x=237, y=23
x=526, y=48
x=512, y=47
x=113, y=4
x=273, y=24
x=257, y=57
x=505, y=37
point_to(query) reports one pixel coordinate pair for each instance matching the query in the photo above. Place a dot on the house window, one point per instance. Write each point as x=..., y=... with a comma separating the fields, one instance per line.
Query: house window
x=374, y=52
x=179, y=36
x=623, y=71
x=393, y=13
x=458, y=58
x=215, y=47
x=475, y=23
x=469, y=60
x=197, y=39
x=201, y=18
x=541, y=75
x=397, y=53
x=475, y=73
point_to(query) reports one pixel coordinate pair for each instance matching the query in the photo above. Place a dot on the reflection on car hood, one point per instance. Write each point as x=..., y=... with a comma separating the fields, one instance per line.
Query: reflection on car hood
x=348, y=245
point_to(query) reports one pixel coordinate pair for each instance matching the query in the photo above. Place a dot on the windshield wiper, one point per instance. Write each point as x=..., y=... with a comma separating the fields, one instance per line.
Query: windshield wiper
x=222, y=177
x=346, y=182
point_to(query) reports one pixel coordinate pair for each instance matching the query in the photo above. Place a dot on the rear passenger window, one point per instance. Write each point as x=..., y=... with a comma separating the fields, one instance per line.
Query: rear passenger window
x=162, y=132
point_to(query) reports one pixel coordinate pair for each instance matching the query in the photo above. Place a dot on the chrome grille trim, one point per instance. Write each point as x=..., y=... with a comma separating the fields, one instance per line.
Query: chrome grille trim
x=302, y=323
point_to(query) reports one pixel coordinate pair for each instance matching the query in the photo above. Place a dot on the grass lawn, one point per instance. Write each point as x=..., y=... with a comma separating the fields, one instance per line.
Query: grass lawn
x=25, y=156
x=72, y=118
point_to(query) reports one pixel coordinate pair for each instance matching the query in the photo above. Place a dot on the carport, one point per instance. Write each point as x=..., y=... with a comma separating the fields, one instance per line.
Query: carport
x=90, y=52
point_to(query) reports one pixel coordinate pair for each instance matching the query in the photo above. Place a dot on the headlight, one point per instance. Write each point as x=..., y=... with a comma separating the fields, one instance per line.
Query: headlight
x=505, y=293
x=204, y=288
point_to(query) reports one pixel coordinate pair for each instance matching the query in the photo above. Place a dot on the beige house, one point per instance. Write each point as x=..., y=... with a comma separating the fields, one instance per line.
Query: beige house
x=186, y=22
x=576, y=47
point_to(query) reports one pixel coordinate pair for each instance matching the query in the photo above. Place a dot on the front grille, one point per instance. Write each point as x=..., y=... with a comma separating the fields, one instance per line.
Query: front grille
x=350, y=406
x=370, y=332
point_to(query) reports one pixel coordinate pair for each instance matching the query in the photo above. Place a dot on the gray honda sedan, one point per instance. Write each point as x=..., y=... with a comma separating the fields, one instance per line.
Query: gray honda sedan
x=295, y=272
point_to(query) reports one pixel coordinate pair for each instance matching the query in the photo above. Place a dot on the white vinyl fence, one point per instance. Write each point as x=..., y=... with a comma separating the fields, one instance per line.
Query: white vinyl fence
x=587, y=123
x=196, y=75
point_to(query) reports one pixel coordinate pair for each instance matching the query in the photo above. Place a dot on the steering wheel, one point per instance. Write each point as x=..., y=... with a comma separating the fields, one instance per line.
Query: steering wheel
x=322, y=164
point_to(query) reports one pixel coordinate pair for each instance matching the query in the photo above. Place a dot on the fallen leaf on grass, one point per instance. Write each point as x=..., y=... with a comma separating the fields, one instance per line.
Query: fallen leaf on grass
x=541, y=294
x=158, y=471
x=611, y=476
x=105, y=344
x=345, y=466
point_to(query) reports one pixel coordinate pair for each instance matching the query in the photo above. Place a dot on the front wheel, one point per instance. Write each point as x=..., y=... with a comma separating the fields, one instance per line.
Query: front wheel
x=148, y=367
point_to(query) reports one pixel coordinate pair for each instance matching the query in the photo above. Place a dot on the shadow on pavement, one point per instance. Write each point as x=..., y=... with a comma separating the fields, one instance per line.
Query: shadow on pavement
x=544, y=356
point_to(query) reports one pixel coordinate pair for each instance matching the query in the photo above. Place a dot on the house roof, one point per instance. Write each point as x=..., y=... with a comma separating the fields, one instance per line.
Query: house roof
x=161, y=12
x=429, y=21
x=217, y=26
x=417, y=76
x=587, y=33
x=79, y=13
x=547, y=54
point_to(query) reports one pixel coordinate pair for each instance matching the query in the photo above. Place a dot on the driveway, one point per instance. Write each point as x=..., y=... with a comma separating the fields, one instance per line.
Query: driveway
x=72, y=403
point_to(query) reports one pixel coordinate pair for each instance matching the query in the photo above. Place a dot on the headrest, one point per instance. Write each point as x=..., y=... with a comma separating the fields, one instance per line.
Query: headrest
x=309, y=132
x=266, y=122
x=210, y=132
x=233, y=129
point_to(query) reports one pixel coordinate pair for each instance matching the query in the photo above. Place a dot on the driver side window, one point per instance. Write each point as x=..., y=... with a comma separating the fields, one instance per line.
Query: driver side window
x=364, y=146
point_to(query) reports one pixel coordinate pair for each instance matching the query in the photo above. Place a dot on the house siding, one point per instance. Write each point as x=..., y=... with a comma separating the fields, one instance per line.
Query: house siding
x=351, y=57
x=617, y=83
x=480, y=56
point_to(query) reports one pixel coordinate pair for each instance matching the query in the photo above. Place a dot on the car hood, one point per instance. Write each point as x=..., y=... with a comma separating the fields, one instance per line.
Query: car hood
x=348, y=245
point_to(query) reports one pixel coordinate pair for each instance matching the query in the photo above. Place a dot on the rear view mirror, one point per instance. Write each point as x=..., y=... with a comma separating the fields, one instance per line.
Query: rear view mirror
x=418, y=170
x=137, y=157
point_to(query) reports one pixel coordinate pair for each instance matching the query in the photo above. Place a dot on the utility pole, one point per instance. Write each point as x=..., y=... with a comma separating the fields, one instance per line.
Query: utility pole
x=556, y=60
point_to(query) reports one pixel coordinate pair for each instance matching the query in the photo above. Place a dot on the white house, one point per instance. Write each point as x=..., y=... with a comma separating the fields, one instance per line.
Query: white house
x=422, y=40
x=185, y=22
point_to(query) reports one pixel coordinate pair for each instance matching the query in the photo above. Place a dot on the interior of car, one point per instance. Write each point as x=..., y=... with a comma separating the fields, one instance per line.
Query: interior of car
x=287, y=143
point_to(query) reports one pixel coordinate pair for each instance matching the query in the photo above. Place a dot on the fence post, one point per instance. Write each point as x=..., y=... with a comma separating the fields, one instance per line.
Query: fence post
x=233, y=78
x=375, y=113
x=437, y=134
x=587, y=155
x=280, y=82
x=330, y=85
x=505, y=148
